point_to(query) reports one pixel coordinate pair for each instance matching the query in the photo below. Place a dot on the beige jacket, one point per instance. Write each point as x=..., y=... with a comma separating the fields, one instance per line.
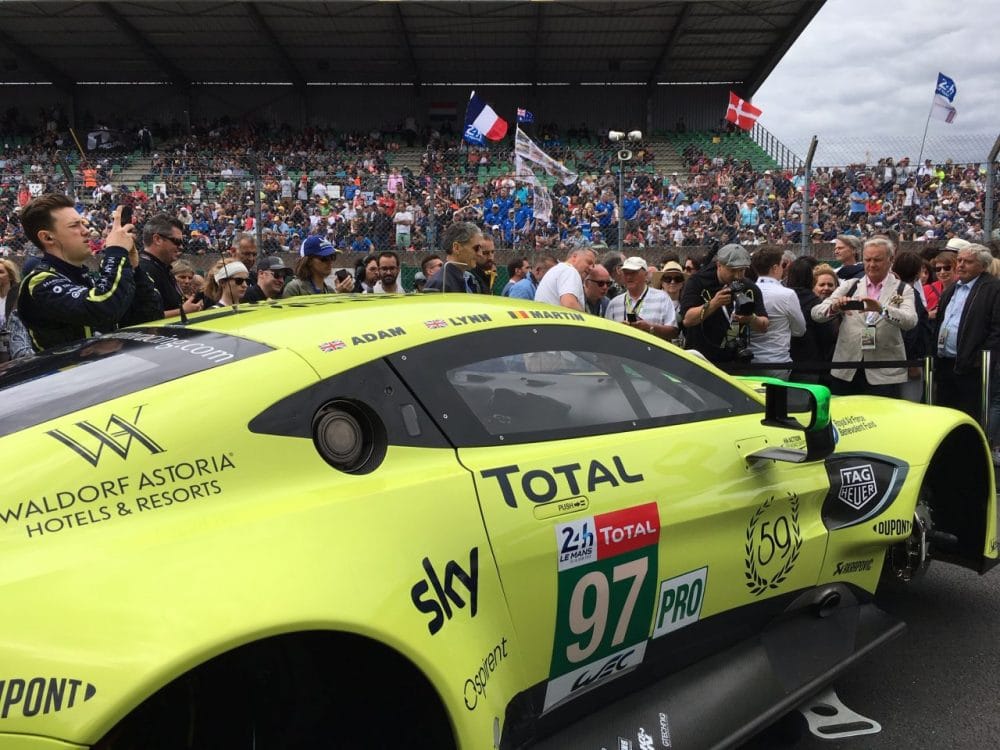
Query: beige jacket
x=900, y=315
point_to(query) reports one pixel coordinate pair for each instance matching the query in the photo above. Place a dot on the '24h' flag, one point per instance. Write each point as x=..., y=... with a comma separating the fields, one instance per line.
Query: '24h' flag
x=944, y=95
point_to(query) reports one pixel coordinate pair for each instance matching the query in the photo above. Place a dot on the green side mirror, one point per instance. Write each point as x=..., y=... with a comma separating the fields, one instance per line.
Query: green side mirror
x=819, y=432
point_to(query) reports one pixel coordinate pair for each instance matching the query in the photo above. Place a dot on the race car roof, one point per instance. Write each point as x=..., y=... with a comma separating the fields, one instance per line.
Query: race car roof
x=334, y=42
x=357, y=328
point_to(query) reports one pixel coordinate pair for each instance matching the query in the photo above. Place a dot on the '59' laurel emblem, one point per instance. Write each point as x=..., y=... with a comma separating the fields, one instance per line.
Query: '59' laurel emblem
x=774, y=540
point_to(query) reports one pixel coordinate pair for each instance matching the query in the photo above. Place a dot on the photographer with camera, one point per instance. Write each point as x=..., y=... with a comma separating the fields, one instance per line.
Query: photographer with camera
x=719, y=308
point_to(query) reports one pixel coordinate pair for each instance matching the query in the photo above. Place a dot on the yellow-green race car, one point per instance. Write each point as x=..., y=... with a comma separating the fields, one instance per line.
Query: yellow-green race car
x=447, y=521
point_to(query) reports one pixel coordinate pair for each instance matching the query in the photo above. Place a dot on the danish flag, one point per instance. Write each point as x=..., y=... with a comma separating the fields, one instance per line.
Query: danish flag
x=742, y=112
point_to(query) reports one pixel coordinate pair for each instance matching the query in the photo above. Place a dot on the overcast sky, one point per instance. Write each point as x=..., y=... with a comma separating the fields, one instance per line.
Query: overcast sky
x=864, y=71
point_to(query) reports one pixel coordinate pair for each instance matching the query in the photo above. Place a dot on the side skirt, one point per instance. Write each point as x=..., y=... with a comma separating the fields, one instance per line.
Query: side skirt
x=735, y=693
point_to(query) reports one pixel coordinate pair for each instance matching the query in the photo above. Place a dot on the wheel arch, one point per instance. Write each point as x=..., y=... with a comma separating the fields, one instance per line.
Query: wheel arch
x=285, y=691
x=961, y=486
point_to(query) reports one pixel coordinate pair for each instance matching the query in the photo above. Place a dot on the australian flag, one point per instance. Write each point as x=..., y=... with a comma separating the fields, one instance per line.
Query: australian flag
x=524, y=115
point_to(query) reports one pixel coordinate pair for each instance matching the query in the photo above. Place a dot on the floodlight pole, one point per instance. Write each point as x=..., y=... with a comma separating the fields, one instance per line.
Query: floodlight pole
x=621, y=201
x=624, y=155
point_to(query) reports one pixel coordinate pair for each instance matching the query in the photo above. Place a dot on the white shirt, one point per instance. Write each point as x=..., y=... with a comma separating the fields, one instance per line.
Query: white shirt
x=557, y=281
x=377, y=289
x=656, y=307
x=785, y=319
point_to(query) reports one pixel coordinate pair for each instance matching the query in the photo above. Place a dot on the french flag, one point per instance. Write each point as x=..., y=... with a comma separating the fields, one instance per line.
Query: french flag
x=482, y=122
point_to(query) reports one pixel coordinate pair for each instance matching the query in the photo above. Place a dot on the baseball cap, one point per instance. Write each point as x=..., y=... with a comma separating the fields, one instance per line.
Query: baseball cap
x=635, y=263
x=418, y=276
x=317, y=246
x=271, y=263
x=734, y=256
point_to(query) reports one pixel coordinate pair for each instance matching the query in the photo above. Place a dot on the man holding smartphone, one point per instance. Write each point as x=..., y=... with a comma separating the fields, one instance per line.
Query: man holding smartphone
x=58, y=302
x=874, y=311
x=641, y=306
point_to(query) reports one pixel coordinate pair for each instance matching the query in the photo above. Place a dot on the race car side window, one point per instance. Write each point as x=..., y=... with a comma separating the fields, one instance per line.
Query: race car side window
x=73, y=377
x=551, y=382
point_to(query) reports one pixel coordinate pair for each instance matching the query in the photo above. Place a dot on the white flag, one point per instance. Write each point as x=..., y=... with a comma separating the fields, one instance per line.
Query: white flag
x=542, y=207
x=528, y=150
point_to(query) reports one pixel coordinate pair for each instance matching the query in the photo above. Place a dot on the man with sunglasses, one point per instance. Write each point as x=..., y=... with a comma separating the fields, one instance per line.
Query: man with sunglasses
x=595, y=290
x=162, y=241
x=272, y=273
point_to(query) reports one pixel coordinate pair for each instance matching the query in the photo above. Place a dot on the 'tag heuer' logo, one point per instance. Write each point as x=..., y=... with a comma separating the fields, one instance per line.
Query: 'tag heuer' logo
x=117, y=436
x=857, y=485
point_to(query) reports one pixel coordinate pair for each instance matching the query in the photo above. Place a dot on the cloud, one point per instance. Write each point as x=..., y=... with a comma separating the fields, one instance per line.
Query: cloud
x=862, y=75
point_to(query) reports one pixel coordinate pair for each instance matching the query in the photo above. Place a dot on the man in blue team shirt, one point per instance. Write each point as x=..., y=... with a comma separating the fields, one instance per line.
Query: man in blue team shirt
x=859, y=204
x=604, y=210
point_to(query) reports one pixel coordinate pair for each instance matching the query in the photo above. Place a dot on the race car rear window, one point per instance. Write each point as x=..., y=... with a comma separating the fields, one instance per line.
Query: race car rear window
x=517, y=385
x=74, y=377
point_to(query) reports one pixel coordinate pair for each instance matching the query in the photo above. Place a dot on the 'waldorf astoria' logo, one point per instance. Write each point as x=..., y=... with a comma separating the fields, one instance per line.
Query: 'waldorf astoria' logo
x=117, y=435
x=857, y=485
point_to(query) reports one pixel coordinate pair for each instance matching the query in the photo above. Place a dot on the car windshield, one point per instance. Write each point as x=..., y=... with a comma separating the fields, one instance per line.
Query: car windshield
x=74, y=377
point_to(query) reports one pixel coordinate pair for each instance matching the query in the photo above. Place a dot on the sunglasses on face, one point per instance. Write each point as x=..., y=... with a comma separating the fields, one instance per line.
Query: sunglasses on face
x=177, y=241
x=675, y=279
x=239, y=281
x=942, y=268
x=599, y=283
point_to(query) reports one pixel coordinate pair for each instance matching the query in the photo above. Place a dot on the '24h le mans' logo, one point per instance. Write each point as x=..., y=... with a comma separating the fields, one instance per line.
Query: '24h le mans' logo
x=117, y=436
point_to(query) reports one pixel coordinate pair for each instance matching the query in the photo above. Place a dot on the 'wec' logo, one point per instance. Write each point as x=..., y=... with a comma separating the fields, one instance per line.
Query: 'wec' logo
x=117, y=436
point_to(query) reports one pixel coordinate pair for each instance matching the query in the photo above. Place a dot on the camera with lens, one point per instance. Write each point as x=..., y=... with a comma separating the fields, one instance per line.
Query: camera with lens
x=743, y=303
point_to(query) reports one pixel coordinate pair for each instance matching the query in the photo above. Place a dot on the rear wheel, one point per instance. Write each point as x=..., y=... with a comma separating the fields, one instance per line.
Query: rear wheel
x=910, y=558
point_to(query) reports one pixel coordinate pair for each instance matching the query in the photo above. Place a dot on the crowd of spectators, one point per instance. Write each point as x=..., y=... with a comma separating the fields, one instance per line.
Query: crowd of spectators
x=353, y=189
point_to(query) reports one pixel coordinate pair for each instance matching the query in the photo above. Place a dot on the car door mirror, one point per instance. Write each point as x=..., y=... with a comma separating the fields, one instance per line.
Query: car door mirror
x=819, y=431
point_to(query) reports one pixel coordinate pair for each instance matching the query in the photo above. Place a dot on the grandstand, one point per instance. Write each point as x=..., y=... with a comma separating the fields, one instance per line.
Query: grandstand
x=239, y=95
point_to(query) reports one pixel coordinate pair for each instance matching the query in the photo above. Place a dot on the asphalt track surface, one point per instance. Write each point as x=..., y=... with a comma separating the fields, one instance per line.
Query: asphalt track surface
x=937, y=686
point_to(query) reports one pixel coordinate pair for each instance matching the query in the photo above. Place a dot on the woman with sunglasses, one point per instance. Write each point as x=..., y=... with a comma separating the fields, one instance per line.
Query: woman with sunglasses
x=313, y=268
x=943, y=266
x=227, y=283
x=672, y=282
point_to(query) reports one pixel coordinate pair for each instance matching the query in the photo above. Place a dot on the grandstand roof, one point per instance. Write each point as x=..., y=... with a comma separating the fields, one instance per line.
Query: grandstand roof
x=303, y=42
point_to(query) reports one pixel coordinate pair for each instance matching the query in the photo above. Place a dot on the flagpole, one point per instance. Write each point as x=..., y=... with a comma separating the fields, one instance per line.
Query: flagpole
x=920, y=159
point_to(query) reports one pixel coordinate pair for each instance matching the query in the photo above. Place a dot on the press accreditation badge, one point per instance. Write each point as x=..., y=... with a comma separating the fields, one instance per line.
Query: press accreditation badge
x=868, y=338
